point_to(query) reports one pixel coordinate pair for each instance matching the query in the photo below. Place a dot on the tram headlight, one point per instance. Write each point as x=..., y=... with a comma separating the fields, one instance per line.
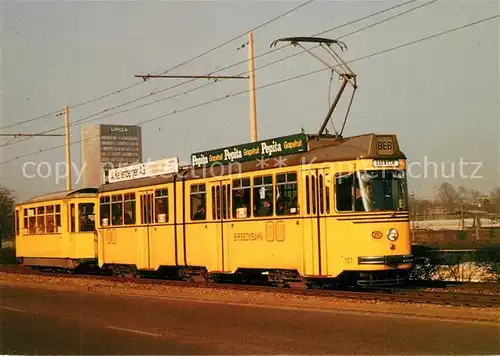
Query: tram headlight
x=393, y=234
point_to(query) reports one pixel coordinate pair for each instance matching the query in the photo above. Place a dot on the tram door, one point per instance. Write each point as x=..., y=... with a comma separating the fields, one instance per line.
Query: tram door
x=316, y=207
x=147, y=219
x=220, y=195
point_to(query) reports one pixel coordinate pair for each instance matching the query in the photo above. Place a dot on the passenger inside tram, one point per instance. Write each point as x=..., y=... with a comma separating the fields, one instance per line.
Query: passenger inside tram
x=265, y=207
x=200, y=213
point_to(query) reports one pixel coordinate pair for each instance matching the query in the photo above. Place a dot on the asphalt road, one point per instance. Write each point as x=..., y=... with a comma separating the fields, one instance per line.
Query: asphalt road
x=52, y=322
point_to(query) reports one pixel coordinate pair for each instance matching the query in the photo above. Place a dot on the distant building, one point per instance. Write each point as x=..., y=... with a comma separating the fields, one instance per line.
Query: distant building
x=104, y=147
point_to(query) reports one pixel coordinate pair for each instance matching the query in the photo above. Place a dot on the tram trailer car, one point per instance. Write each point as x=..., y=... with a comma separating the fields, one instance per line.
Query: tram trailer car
x=329, y=211
x=57, y=231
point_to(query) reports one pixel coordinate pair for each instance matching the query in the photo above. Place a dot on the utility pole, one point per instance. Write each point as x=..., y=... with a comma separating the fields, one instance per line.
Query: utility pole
x=68, y=149
x=251, y=74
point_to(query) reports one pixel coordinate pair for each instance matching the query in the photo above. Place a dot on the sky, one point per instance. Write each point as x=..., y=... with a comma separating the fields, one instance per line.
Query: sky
x=439, y=96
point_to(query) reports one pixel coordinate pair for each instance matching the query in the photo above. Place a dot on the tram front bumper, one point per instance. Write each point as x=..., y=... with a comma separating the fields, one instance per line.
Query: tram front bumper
x=390, y=261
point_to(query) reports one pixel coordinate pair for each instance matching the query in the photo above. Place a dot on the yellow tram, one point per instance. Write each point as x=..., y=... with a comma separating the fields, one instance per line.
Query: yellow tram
x=321, y=209
x=57, y=231
x=316, y=208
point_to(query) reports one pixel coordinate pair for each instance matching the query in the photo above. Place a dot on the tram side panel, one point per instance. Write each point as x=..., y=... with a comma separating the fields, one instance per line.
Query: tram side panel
x=81, y=241
x=179, y=225
x=315, y=208
x=201, y=245
x=359, y=240
x=308, y=232
x=122, y=239
x=160, y=232
x=18, y=230
x=138, y=228
x=366, y=238
x=145, y=229
x=41, y=240
x=58, y=233
x=219, y=213
x=265, y=231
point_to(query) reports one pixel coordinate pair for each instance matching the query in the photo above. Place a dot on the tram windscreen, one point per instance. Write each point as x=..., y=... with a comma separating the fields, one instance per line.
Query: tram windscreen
x=381, y=190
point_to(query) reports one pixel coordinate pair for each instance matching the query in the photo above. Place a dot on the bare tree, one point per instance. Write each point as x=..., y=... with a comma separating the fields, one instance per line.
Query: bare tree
x=448, y=197
x=495, y=202
x=426, y=265
x=463, y=272
x=7, y=211
x=489, y=260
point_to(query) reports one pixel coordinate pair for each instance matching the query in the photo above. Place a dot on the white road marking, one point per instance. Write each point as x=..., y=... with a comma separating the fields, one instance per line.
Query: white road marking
x=13, y=309
x=132, y=331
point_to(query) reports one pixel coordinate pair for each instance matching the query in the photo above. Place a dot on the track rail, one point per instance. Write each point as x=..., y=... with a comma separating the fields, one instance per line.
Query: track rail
x=402, y=296
x=449, y=284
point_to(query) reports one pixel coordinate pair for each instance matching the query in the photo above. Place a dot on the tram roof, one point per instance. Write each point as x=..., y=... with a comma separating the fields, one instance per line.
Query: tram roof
x=81, y=192
x=320, y=149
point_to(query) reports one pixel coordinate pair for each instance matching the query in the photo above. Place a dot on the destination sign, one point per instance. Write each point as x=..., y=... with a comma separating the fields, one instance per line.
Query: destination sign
x=143, y=170
x=274, y=147
x=385, y=163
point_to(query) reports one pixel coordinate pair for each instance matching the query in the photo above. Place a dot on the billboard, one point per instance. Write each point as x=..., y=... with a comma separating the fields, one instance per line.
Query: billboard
x=143, y=170
x=274, y=147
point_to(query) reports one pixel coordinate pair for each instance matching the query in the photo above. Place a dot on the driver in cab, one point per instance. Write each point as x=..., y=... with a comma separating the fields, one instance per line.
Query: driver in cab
x=364, y=197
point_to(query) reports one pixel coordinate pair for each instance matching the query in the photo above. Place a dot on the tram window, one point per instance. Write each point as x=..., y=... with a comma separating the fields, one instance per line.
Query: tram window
x=198, y=202
x=40, y=220
x=161, y=205
x=147, y=208
x=129, y=209
x=58, y=218
x=313, y=194
x=344, y=184
x=263, y=196
x=72, y=218
x=214, y=204
x=218, y=199
x=308, y=197
x=86, y=216
x=328, y=186
x=226, y=201
x=32, y=220
x=286, y=194
x=105, y=211
x=25, y=221
x=49, y=219
x=320, y=193
x=242, y=193
x=117, y=209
